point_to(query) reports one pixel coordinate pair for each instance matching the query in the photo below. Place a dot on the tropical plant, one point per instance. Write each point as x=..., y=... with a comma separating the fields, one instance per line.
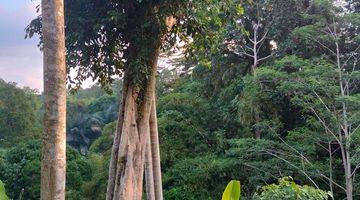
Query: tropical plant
x=289, y=190
x=232, y=191
x=2, y=191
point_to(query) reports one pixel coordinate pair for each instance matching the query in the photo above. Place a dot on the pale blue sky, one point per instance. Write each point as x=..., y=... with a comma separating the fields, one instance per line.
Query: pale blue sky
x=13, y=4
x=20, y=59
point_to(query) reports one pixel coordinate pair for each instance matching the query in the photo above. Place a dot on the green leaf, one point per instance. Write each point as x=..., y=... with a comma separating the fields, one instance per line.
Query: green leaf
x=240, y=9
x=232, y=191
x=2, y=191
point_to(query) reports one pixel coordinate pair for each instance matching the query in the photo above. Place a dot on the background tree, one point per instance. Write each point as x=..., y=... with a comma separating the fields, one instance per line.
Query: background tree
x=19, y=114
x=341, y=45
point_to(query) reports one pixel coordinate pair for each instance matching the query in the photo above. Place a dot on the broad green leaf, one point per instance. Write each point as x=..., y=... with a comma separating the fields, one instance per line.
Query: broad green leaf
x=232, y=191
x=2, y=191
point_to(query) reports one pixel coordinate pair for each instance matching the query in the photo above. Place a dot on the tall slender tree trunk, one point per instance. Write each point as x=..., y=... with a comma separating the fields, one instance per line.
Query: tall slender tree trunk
x=330, y=170
x=53, y=164
x=155, y=151
x=149, y=173
x=253, y=70
x=257, y=121
x=151, y=156
x=256, y=111
x=345, y=125
x=152, y=159
x=348, y=179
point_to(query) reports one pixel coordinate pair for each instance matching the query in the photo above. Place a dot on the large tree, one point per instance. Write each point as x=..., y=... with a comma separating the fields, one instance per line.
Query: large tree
x=247, y=42
x=53, y=164
x=125, y=39
x=335, y=33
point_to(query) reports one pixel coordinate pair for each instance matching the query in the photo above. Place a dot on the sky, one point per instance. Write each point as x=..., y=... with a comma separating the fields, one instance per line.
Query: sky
x=20, y=59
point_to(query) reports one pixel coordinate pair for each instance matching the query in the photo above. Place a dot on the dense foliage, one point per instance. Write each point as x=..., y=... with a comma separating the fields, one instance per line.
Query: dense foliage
x=208, y=116
x=19, y=113
x=20, y=170
x=287, y=189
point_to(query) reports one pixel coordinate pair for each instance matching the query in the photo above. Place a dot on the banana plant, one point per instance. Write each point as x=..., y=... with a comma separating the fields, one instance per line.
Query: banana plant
x=2, y=191
x=232, y=191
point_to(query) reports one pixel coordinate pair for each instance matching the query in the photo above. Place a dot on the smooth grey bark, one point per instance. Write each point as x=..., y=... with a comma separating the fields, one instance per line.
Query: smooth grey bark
x=345, y=126
x=155, y=151
x=149, y=173
x=331, y=170
x=53, y=164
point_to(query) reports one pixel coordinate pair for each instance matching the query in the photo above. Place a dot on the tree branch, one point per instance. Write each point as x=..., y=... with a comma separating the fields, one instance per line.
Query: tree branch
x=266, y=57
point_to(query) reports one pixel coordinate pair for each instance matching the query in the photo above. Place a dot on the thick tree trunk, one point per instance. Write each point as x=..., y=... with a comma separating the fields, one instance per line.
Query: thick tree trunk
x=53, y=164
x=132, y=139
x=133, y=147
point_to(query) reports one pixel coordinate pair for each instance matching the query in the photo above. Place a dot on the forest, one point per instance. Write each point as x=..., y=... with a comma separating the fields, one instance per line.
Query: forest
x=265, y=92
